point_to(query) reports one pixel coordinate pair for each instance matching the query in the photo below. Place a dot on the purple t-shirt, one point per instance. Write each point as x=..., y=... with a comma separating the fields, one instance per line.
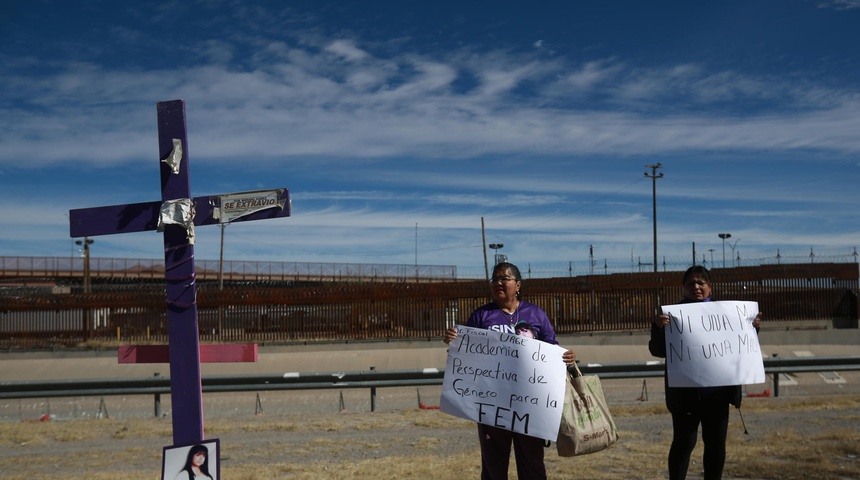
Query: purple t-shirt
x=528, y=316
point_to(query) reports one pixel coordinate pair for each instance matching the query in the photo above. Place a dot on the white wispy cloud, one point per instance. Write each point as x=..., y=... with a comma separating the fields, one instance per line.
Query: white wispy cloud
x=293, y=108
x=547, y=147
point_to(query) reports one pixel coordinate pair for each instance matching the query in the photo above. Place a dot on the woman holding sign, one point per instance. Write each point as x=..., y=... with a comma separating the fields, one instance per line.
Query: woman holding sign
x=691, y=406
x=508, y=314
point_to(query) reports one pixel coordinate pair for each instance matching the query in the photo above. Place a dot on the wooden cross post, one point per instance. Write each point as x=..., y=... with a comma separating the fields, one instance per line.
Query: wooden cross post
x=176, y=215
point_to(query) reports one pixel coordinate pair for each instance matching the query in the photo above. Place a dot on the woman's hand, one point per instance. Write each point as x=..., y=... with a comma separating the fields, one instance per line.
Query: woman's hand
x=569, y=357
x=450, y=335
x=757, y=321
x=661, y=320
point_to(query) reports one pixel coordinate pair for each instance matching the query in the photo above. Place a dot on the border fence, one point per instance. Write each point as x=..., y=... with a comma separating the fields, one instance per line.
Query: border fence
x=257, y=270
x=43, y=313
x=23, y=268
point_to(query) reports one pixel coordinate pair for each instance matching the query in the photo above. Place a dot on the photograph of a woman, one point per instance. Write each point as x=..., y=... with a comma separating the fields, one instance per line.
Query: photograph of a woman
x=190, y=462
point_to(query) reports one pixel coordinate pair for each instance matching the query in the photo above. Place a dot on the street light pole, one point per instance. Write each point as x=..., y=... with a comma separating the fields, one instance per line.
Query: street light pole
x=653, y=176
x=221, y=280
x=724, y=236
x=85, y=243
x=496, y=247
x=85, y=312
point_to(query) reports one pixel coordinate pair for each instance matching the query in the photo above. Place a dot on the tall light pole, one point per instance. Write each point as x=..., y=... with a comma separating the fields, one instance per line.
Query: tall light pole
x=496, y=247
x=221, y=280
x=86, y=242
x=654, y=176
x=724, y=236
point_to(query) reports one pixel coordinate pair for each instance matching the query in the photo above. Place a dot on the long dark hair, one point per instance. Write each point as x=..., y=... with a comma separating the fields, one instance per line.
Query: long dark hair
x=189, y=461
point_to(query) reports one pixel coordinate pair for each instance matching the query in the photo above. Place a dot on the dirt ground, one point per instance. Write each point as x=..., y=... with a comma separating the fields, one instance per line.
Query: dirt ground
x=334, y=434
x=810, y=431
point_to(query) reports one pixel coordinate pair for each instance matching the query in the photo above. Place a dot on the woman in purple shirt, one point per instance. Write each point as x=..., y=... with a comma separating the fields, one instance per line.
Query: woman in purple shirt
x=508, y=314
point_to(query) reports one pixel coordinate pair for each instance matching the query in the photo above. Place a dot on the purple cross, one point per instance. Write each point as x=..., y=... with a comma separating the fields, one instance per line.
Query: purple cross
x=176, y=214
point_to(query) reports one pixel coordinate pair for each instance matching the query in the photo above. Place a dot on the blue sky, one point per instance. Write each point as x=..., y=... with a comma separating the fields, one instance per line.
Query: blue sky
x=398, y=126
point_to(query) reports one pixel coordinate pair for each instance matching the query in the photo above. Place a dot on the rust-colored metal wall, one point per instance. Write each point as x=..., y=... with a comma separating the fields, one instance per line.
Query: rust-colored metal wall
x=33, y=317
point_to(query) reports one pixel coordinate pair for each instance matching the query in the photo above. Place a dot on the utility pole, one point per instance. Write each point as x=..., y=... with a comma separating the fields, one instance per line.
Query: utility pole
x=484, y=248
x=694, y=254
x=654, y=176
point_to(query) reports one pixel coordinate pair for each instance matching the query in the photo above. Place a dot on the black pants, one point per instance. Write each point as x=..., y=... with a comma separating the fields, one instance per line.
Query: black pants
x=713, y=415
x=496, y=454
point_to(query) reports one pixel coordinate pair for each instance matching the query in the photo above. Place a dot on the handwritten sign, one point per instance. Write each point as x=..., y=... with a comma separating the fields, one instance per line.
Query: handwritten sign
x=505, y=380
x=711, y=344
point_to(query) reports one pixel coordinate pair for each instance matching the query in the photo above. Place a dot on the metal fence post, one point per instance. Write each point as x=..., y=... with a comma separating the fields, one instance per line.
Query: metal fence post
x=372, y=395
x=157, y=400
x=775, y=381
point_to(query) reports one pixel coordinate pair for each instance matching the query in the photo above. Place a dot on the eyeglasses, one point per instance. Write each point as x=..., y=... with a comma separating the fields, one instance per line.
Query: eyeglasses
x=501, y=279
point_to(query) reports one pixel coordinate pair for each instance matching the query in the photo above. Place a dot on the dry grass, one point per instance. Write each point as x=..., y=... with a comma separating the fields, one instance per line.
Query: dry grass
x=797, y=438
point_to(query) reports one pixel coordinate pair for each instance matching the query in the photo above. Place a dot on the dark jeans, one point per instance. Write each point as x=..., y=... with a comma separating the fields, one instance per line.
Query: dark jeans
x=496, y=454
x=713, y=414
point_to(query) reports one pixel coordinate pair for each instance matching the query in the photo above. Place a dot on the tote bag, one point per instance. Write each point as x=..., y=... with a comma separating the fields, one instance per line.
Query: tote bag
x=586, y=425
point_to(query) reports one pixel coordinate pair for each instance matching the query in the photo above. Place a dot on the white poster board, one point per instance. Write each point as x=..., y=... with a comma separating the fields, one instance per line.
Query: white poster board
x=505, y=380
x=711, y=344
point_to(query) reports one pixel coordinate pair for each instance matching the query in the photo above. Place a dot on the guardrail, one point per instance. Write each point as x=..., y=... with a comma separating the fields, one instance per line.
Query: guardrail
x=368, y=379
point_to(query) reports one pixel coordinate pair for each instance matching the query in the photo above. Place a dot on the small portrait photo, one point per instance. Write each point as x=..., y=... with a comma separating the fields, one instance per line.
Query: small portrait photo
x=198, y=461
